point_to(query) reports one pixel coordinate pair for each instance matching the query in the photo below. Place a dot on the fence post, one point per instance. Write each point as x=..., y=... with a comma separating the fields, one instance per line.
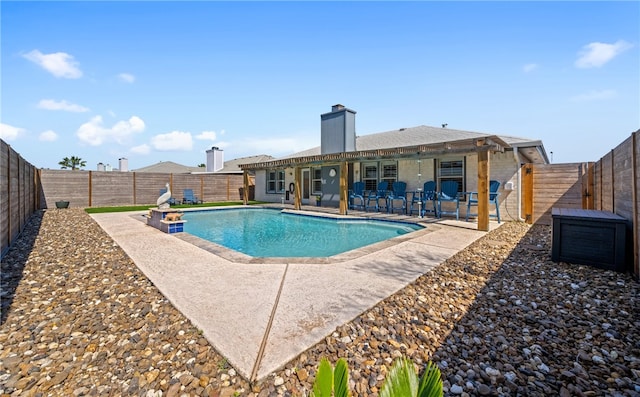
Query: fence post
x=90, y=188
x=527, y=184
x=202, y=188
x=613, y=182
x=134, y=189
x=38, y=182
x=635, y=223
x=9, y=195
x=591, y=177
x=600, y=190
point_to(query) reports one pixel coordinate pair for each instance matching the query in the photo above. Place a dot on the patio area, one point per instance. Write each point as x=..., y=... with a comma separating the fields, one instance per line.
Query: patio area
x=276, y=308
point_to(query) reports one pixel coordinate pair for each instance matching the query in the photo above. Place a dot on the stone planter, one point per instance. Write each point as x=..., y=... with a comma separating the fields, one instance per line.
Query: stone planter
x=62, y=204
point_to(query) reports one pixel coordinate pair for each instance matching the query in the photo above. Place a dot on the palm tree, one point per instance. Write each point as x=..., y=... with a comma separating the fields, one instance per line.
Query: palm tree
x=72, y=162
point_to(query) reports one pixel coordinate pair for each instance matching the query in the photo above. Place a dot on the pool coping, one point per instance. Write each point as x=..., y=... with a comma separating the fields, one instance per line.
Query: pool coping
x=261, y=317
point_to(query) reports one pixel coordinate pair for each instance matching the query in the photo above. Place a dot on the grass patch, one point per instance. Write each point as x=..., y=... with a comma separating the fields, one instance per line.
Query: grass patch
x=126, y=208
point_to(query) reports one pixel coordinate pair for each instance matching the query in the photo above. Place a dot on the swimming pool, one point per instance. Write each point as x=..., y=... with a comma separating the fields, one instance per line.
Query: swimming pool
x=262, y=232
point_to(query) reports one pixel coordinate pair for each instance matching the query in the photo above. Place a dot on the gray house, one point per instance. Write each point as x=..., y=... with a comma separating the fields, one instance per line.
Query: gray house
x=412, y=155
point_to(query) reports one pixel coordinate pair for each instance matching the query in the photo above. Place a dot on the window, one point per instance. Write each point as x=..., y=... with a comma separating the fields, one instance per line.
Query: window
x=389, y=172
x=451, y=170
x=370, y=176
x=316, y=181
x=275, y=181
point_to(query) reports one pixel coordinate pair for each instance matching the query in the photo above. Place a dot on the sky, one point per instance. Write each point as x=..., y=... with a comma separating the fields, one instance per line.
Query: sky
x=165, y=81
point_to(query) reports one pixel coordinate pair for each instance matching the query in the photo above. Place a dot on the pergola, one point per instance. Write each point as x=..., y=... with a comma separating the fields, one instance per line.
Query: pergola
x=481, y=146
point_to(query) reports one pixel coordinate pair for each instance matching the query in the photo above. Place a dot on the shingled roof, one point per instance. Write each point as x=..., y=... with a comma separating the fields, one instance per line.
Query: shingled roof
x=230, y=166
x=426, y=135
x=169, y=167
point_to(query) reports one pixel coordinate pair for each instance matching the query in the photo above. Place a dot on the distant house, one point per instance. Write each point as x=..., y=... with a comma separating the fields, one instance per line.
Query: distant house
x=413, y=155
x=170, y=167
x=227, y=167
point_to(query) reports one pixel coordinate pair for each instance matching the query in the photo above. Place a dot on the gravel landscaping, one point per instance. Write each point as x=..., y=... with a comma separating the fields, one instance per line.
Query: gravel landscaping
x=499, y=318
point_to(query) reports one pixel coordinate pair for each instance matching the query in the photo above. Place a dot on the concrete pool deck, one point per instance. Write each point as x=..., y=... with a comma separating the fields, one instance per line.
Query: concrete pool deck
x=262, y=315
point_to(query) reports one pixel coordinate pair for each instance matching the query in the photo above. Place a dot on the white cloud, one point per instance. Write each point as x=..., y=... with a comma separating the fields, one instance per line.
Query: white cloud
x=51, y=104
x=141, y=149
x=596, y=54
x=530, y=67
x=48, y=136
x=59, y=64
x=207, y=136
x=174, y=140
x=94, y=133
x=9, y=132
x=595, y=96
x=126, y=77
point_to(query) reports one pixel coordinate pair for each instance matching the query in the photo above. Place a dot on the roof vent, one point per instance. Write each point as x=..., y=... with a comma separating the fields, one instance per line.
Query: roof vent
x=337, y=107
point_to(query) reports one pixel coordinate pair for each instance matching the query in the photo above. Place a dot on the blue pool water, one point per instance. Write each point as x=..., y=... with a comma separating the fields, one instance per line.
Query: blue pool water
x=263, y=232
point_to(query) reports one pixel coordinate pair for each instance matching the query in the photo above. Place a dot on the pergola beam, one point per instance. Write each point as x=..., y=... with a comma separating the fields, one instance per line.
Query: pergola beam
x=245, y=190
x=297, y=198
x=433, y=150
x=483, y=191
x=344, y=172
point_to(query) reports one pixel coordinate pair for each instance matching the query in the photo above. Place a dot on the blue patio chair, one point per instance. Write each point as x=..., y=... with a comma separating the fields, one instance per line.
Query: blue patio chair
x=399, y=193
x=376, y=195
x=189, y=198
x=493, y=199
x=172, y=201
x=427, y=195
x=448, y=193
x=357, y=193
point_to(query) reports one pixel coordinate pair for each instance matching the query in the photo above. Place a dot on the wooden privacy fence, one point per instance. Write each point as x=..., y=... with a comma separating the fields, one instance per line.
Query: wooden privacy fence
x=101, y=188
x=25, y=189
x=553, y=185
x=610, y=184
x=20, y=196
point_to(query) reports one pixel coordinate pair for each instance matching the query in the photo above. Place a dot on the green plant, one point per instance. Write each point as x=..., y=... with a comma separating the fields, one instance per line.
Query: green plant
x=329, y=379
x=222, y=364
x=401, y=381
x=72, y=162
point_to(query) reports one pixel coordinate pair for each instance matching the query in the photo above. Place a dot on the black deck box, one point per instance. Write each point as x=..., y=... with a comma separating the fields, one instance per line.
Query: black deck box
x=589, y=237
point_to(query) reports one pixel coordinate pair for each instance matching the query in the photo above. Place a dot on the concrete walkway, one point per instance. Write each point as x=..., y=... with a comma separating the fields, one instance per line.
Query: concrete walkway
x=262, y=315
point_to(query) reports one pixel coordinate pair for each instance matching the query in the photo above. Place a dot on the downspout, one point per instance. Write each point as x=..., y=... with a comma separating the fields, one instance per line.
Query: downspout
x=519, y=183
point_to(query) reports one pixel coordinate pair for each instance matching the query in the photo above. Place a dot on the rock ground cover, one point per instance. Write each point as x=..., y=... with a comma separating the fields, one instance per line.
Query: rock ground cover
x=498, y=318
